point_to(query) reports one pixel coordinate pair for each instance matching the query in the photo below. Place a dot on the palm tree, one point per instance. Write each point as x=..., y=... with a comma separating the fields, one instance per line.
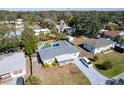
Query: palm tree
x=29, y=42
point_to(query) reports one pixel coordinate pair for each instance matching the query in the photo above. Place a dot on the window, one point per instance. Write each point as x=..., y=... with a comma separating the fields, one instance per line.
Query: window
x=17, y=72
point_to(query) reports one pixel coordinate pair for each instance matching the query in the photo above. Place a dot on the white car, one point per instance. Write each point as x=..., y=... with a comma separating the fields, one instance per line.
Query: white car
x=86, y=62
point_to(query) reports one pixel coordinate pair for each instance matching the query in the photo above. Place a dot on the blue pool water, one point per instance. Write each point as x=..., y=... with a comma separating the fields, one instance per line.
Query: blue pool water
x=52, y=45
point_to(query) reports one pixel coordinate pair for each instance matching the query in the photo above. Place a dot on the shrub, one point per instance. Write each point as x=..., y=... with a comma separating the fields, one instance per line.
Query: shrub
x=107, y=65
x=46, y=65
x=32, y=80
x=55, y=62
x=95, y=58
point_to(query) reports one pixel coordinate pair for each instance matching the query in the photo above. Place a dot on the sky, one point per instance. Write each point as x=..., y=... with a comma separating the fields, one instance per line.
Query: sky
x=62, y=9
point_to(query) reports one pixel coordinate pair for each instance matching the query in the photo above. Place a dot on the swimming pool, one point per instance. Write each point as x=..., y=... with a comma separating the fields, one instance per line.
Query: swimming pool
x=52, y=45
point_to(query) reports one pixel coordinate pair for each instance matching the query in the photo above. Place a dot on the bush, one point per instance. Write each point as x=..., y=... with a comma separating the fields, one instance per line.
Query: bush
x=46, y=65
x=55, y=62
x=32, y=80
x=95, y=58
x=107, y=65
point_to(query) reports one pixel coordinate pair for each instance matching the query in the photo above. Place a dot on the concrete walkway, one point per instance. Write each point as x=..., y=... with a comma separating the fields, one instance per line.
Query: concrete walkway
x=119, y=76
x=94, y=76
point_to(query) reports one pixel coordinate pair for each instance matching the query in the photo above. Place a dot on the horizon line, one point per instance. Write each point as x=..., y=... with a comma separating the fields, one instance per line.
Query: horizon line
x=60, y=9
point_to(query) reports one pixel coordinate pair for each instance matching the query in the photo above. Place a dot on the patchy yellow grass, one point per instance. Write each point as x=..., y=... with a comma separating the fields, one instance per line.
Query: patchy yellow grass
x=65, y=75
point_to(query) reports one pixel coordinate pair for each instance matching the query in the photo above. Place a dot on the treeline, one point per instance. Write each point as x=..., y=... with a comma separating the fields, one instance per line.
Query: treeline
x=86, y=23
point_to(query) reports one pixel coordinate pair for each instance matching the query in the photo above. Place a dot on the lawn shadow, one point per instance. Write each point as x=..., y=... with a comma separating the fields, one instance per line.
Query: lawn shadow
x=91, y=59
x=99, y=66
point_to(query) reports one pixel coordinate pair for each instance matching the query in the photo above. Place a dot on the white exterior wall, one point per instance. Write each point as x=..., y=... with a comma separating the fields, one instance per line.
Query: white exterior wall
x=70, y=38
x=19, y=74
x=98, y=50
x=75, y=55
x=63, y=57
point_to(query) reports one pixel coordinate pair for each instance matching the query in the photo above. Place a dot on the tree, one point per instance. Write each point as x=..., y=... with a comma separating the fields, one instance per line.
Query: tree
x=95, y=58
x=8, y=42
x=118, y=39
x=29, y=42
x=32, y=80
x=88, y=26
x=111, y=27
x=42, y=36
x=61, y=36
x=107, y=65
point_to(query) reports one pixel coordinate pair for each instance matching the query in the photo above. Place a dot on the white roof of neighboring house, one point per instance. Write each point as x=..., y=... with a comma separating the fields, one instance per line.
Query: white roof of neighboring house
x=11, y=63
x=104, y=30
x=41, y=30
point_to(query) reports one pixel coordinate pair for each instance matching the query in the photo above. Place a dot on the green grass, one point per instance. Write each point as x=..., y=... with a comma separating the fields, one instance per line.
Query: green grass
x=117, y=59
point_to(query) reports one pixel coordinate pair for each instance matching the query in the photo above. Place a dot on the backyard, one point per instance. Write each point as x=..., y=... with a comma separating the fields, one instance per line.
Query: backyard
x=117, y=59
x=65, y=75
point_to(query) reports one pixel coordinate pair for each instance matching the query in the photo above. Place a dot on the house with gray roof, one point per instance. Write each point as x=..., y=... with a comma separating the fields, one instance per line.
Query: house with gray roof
x=98, y=45
x=63, y=28
x=61, y=51
x=12, y=66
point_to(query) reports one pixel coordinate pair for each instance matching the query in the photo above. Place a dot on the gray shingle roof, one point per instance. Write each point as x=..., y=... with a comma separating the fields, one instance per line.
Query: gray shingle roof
x=97, y=43
x=12, y=63
x=63, y=48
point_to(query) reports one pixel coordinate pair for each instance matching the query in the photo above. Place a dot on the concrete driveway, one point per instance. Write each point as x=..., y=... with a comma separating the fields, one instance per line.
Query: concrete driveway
x=94, y=76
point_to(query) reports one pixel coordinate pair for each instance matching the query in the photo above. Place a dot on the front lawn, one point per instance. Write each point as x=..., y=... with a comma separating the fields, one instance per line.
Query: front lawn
x=117, y=59
x=66, y=75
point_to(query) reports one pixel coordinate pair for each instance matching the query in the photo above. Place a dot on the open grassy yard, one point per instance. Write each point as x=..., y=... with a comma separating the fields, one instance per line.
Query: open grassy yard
x=117, y=59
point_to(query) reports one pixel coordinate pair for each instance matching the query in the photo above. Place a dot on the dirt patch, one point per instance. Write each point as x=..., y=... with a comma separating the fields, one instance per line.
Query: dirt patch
x=65, y=75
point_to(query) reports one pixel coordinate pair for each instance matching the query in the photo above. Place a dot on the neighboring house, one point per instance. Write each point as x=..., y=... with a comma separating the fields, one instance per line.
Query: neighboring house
x=19, y=25
x=119, y=48
x=111, y=35
x=98, y=45
x=43, y=30
x=38, y=30
x=62, y=27
x=61, y=51
x=13, y=33
x=12, y=66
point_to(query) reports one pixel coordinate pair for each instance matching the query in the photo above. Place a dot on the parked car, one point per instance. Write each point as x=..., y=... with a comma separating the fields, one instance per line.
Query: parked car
x=86, y=62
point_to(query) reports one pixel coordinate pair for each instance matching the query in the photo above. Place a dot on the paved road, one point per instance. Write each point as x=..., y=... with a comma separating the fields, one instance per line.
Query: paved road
x=94, y=76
